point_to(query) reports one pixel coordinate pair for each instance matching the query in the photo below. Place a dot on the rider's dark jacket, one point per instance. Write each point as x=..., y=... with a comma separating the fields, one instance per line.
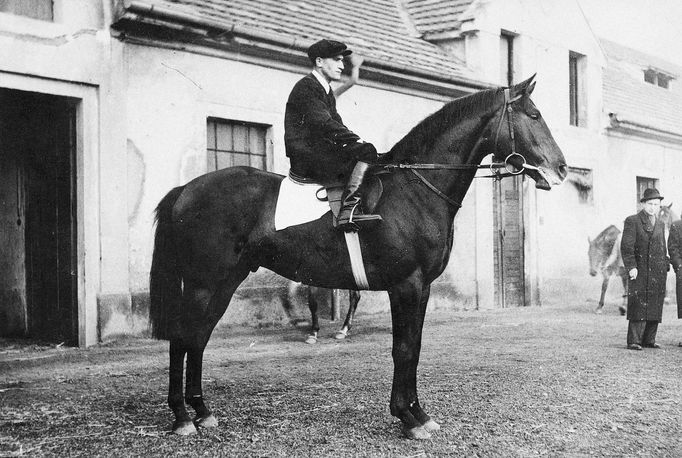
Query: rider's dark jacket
x=317, y=142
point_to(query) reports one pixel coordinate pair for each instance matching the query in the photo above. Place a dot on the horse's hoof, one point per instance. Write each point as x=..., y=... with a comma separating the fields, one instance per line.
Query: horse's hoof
x=206, y=422
x=598, y=311
x=416, y=433
x=184, y=428
x=340, y=335
x=311, y=340
x=431, y=426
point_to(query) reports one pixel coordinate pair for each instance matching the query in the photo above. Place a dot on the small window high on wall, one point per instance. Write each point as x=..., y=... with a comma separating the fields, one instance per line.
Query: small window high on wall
x=657, y=78
x=231, y=143
x=36, y=9
x=644, y=183
x=576, y=89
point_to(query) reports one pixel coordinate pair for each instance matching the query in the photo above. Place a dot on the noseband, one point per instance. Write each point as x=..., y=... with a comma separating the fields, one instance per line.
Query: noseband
x=495, y=167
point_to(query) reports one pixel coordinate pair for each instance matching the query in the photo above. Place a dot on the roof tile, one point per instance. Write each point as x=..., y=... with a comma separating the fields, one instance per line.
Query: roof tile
x=374, y=28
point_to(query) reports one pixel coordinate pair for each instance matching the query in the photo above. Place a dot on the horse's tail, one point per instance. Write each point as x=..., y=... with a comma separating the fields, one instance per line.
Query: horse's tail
x=165, y=280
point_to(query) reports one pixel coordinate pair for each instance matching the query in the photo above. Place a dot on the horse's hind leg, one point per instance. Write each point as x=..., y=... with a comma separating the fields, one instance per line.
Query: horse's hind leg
x=202, y=312
x=353, y=299
x=314, y=318
x=626, y=283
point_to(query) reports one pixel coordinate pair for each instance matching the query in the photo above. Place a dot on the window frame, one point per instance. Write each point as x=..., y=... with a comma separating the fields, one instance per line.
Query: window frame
x=234, y=150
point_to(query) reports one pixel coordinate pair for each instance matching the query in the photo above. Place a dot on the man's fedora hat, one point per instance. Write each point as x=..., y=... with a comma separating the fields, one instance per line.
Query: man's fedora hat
x=650, y=194
x=327, y=48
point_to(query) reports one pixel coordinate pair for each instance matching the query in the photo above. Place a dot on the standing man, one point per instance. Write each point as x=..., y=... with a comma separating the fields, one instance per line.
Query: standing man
x=675, y=252
x=319, y=146
x=645, y=258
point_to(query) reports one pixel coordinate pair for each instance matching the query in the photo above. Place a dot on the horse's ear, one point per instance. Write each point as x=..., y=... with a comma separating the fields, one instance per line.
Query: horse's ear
x=525, y=87
x=670, y=206
x=589, y=240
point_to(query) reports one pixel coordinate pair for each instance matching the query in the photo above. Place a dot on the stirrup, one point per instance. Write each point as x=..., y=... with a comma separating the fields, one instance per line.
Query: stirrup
x=352, y=224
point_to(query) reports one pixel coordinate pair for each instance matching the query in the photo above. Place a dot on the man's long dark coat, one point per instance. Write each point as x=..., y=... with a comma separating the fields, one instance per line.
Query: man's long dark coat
x=675, y=252
x=643, y=247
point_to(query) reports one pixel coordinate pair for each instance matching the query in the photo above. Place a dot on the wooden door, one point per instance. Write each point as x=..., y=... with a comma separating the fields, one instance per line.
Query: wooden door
x=510, y=284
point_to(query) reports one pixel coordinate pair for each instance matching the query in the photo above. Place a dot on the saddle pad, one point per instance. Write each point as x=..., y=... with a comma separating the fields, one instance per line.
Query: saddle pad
x=298, y=204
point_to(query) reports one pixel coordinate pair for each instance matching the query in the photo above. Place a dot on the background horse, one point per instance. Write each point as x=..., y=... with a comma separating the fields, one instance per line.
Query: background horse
x=314, y=295
x=219, y=227
x=605, y=258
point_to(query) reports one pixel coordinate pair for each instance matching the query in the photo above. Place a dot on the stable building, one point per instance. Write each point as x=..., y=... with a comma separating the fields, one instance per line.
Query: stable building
x=106, y=106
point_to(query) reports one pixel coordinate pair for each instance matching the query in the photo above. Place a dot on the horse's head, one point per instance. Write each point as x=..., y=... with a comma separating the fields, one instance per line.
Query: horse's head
x=595, y=254
x=667, y=215
x=523, y=140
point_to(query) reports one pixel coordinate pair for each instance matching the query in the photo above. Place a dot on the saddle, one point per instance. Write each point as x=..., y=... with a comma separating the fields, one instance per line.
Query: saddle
x=332, y=192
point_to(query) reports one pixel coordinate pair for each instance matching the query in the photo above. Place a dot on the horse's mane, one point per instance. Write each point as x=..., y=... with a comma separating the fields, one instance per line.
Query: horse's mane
x=609, y=233
x=424, y=134
x=606, y=239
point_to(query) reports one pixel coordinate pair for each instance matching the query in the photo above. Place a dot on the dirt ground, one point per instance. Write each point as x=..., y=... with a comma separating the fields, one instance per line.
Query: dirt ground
x=555, y=380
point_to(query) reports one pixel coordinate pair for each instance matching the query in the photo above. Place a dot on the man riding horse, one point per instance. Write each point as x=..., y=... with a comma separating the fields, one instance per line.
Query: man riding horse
x=319, y=146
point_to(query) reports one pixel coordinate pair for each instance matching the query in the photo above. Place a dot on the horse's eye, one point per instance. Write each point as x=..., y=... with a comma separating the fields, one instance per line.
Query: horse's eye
x=534, y=115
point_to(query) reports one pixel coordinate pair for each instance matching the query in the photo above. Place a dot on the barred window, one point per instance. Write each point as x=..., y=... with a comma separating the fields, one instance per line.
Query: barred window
x=36, y=9
x=230, y=143
x=582, y=180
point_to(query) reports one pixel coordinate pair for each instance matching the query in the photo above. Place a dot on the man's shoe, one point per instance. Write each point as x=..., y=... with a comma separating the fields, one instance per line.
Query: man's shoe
x=634, y=347
x=653, y=345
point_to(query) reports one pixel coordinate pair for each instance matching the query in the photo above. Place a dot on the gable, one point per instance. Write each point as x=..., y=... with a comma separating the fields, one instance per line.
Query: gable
x=632, y=100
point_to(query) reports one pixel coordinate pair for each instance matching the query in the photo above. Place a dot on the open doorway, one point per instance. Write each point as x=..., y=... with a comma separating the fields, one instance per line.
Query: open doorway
x=38, y=271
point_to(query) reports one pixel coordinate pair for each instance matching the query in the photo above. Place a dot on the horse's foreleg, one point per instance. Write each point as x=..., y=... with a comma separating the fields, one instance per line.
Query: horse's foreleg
x=408, y=307
x=604, y=286
x=314, y=319
x=353, y=299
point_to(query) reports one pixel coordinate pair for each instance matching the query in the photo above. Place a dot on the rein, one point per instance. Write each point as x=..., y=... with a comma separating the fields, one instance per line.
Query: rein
x=494, y=167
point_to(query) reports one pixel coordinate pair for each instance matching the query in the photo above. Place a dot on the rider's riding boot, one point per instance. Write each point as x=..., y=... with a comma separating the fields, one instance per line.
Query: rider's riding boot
x=350, y=215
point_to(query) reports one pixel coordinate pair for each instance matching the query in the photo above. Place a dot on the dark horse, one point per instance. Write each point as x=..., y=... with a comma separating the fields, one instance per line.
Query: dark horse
x=605, y=258
x=219, y=227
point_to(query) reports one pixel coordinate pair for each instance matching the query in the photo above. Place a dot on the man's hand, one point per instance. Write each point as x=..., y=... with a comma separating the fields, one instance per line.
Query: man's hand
x=355, y=60
x=633, y=274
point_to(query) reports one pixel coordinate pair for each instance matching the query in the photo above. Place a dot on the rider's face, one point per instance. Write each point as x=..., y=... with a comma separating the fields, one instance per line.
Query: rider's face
x=652, y=207
x=330, y=67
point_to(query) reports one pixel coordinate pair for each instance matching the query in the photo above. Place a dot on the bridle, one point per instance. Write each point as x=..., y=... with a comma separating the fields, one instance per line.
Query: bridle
x=495, y=167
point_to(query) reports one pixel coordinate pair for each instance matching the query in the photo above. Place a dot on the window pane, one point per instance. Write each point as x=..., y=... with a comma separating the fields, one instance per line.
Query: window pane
x=257, y=162
x=224, y=136
x=241, y=159
x=256, y=140
x=210, y=135
x=241, y=138
x=224, y=161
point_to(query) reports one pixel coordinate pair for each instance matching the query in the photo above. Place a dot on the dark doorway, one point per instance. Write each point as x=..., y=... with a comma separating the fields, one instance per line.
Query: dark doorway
x=37, y=150
x=510, y=290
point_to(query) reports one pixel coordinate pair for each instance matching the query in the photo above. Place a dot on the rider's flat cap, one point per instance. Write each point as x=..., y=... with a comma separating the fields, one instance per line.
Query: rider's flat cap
x=650, y=194
x=327, y=48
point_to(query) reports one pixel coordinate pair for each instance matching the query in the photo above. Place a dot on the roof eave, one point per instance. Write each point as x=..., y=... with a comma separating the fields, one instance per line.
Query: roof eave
x=141, y=11
x=629, y=127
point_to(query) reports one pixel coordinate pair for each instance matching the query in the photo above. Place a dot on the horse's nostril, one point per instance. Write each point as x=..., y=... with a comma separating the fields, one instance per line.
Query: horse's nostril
x=593, y=273
x=563, y=170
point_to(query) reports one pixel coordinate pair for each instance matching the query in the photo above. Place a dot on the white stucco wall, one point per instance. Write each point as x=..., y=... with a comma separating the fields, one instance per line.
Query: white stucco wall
x=171, y=93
